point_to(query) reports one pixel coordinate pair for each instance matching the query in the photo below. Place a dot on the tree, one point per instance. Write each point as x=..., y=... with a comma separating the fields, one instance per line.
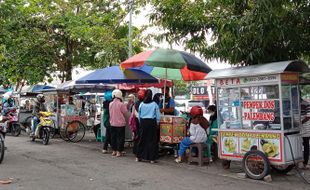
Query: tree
x=19, y=44
x=181, y=88
x=244, y=32
x=57, y=35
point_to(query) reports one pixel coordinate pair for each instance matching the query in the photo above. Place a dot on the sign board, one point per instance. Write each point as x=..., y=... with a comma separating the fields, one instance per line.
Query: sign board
x=290, y=78
x=246, y=80
x=234, y=144
x=199, y=90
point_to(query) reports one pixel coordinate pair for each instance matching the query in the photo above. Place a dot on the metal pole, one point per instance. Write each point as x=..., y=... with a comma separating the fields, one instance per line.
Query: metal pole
x=130, y=29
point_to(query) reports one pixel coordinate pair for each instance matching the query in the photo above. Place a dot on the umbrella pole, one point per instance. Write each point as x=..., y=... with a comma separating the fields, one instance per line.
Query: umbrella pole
x=165, y=85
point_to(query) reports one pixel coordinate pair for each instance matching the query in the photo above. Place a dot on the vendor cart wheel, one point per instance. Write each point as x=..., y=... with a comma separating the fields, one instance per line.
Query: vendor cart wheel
x=63, y=134
x=2, y=147
x=75, y=131
x=283, y=169
x=256, y=164
x=226, y=164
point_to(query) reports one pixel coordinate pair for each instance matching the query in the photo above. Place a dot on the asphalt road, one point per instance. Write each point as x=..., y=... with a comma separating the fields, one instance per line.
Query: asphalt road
x=62, y=165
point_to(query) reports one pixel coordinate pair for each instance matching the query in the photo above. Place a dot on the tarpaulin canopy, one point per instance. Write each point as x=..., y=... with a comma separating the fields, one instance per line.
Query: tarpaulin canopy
x=2, y=90
x=114, y=75
x=262, y=69
x=38, y=88
x=161, y=84
x=73, y=86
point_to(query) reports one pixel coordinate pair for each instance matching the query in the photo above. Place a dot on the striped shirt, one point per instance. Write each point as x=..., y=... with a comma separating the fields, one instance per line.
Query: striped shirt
x=305, y=113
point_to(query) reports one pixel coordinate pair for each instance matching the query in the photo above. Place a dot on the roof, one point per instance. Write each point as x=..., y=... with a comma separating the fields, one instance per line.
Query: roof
x=262, y=69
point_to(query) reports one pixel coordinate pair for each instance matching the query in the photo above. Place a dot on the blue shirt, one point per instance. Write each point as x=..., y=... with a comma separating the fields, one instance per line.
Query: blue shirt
x=168, y=104
x=149, y=111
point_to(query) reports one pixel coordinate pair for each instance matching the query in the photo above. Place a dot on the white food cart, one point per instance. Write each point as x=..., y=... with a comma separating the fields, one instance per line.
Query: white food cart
x=259, y=116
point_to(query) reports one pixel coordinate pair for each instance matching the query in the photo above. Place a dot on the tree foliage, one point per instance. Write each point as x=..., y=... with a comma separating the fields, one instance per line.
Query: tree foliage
x=39, y=37
x=244, y=32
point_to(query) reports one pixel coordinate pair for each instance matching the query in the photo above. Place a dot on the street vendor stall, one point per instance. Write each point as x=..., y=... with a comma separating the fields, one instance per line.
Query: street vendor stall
x=259, y=116
x=71, y=118
x=173, y=65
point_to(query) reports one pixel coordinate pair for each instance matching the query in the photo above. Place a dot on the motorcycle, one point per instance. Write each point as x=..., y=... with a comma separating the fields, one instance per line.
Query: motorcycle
x=2, y=135
x=11, y=123
x=44, y=127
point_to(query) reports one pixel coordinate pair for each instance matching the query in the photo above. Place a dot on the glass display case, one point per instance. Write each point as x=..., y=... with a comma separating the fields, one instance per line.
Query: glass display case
x=256, y=110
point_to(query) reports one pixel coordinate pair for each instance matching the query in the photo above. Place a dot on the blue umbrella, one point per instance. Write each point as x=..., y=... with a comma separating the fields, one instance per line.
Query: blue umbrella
x=2, y=90
x=39, y=88
x=114, y=75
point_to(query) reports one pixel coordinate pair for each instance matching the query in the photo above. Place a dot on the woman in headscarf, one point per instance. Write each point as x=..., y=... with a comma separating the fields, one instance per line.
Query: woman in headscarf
x=118, y=114
x=149, y=117
x=135, y=131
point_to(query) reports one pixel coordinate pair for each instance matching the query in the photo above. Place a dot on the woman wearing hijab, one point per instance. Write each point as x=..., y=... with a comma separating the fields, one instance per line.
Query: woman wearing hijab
x=149, y=117
x=118, y=112
x=136, y=130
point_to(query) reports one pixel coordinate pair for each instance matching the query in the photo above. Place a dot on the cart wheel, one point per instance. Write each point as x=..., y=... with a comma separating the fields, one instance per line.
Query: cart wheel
x=226, y=164
x=283, y=169
x=62, y=134
x=75, y=131
x=256, y=164
x=2, y=147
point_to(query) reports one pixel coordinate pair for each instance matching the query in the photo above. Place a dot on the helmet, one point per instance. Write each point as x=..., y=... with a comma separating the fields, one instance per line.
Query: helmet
x=40, y=97
x=117, y=94
x=141, y=94
x=196, y=111
x=6, y=96
x=108, y=96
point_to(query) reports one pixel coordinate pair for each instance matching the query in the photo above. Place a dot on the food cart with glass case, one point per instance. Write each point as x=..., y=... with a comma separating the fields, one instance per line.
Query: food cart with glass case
x=259, y=116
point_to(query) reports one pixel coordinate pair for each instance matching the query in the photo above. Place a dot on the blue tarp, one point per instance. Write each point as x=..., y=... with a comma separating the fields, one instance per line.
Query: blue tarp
x=114, y=75
x=2, y=90
x=38, y=88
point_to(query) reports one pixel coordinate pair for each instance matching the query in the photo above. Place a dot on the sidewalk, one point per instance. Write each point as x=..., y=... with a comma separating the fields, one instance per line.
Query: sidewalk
x=292, y=180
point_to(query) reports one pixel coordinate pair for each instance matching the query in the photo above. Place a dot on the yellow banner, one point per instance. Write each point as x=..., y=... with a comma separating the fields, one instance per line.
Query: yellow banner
x=250, y=135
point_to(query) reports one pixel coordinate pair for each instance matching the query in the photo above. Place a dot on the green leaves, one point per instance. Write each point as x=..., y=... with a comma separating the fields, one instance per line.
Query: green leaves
x=243, y=31
x=39, y=37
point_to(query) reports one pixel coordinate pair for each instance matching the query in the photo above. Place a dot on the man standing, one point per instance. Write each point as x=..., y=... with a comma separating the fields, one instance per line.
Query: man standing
x=169, y=103
x=305, y=130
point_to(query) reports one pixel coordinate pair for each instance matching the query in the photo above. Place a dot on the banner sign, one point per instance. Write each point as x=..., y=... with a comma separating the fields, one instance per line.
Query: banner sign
x=234, y=144
x=200, y=90
x=259, y=116
x=246, y=80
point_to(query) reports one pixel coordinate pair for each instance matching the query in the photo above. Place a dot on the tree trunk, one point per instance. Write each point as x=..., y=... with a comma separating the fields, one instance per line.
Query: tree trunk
x=68, y=71
x=69, y=57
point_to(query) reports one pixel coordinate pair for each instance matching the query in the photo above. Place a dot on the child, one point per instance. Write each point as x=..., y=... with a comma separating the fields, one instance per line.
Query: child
x=197, y=131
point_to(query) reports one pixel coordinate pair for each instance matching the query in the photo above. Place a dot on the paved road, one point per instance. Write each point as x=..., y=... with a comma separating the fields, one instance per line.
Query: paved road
x=62, y=165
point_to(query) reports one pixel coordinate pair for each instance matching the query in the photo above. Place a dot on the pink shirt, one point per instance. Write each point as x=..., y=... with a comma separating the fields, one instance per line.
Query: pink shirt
x=118, y=111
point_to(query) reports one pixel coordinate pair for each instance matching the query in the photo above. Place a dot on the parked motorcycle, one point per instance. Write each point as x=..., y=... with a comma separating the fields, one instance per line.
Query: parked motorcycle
x=44, y=127
x=2, y=135
x=11, y=122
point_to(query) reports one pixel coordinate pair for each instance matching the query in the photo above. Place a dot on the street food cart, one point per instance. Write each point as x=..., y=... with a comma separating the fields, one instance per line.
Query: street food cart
x=259, y=116
x=57, y=101
x=70, y=105
x=25, y=110
x=172, y=132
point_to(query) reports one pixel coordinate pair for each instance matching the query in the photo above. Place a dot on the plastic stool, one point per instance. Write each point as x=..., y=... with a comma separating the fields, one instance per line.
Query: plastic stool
x=99, y=137
x=200, y=158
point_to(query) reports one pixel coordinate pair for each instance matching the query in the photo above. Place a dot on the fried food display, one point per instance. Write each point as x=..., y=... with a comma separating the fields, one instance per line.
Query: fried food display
x=271, y=149
x=246, y=144
x=230, y=145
